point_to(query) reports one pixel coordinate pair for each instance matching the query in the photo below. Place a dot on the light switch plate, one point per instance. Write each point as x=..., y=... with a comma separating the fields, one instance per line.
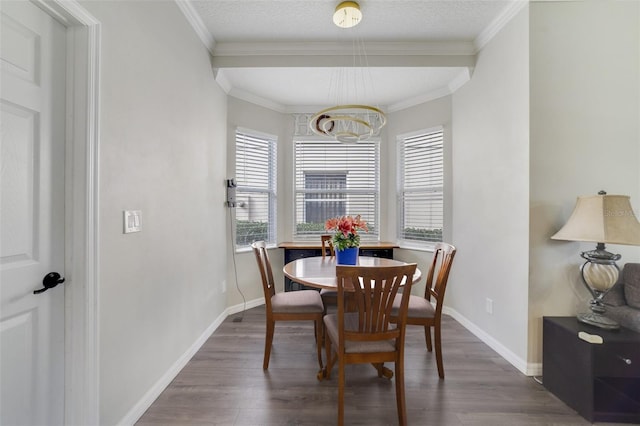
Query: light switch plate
x=132, y=221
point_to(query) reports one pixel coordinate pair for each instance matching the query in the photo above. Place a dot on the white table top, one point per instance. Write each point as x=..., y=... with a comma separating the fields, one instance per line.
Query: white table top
x=320, y=272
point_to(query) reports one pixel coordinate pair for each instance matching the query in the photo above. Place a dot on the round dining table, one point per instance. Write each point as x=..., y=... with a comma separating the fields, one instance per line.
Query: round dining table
x=320, y=272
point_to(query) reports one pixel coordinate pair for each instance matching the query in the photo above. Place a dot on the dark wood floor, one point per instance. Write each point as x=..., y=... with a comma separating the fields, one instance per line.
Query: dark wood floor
x=224, y=384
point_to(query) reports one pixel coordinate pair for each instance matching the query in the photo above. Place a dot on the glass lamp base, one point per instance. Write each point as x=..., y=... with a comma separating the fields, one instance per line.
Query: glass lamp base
x=598, y=320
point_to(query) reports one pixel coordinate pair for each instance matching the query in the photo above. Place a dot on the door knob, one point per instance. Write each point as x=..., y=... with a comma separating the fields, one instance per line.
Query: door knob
x=50, y=280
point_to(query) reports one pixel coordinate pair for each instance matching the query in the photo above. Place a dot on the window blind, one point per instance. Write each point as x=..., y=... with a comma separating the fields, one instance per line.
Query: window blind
x=421, y=182
x=335, y=179
x=256, y=188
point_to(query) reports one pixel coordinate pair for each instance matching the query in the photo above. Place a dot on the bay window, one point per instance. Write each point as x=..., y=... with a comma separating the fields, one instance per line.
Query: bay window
x=335, y=179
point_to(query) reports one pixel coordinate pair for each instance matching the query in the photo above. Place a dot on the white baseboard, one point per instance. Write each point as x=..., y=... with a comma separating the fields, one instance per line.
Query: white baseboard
x=154, y=392
x=243, y=307
x=528, y=369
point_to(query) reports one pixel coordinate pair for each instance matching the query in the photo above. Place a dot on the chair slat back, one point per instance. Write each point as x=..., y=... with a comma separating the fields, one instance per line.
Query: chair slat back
x=327, y=245
x=264, y=265
x=438, y=275
x=373, y=290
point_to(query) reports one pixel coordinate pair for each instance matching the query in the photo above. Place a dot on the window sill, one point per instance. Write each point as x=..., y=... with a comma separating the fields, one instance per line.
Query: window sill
x=404, y=245
x=248, y=249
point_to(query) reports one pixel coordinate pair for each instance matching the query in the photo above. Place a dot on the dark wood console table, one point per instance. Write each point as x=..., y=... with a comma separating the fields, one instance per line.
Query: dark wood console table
x=299, y=250
x=600, y=381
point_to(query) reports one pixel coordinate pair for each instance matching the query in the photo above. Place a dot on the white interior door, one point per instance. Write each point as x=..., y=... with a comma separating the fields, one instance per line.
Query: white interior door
x=32, y=117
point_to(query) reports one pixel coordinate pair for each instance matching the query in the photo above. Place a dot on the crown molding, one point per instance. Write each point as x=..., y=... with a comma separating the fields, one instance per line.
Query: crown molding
x=422, y=48
x=335, y=54
x=449, y=89
x=342, y=48
x=420, y=99
x=498, y=23
x=222, y=80
x=257, y=100
x=458, y=81
x=324, y=61
x=196, y=23
x=463, y=77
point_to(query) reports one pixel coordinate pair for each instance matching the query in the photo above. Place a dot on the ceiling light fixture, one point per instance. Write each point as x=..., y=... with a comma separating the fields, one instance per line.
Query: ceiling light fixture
x=347, y=14
x=350, y=122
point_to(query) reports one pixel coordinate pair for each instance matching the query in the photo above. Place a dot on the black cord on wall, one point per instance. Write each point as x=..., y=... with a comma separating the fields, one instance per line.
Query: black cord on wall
x=235, y=269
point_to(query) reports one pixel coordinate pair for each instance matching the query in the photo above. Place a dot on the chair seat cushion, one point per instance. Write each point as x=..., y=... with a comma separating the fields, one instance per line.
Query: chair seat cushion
x=419, y=307
x=351, y=323
x=302, y=301
x=327, y=292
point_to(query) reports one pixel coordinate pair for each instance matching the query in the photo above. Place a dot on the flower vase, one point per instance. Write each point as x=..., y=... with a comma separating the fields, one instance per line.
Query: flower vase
x=348, y=256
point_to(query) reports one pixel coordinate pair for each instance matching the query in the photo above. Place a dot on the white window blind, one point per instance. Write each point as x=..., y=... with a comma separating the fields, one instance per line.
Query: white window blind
x=335, y=179
x=421, y=181
x=256, y=191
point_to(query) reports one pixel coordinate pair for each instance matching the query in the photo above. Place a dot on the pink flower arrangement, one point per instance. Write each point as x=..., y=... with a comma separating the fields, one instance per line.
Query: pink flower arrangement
x=346, y=231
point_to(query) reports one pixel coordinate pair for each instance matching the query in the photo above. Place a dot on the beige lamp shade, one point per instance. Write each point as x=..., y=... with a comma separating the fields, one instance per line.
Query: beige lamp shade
x=602, y=219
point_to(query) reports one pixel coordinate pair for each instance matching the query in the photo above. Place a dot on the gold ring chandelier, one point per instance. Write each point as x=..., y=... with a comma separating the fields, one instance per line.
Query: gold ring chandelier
x=348, y=123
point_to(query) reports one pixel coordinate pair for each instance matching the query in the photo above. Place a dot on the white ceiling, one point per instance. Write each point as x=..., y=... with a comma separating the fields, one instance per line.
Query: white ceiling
x=287, y=54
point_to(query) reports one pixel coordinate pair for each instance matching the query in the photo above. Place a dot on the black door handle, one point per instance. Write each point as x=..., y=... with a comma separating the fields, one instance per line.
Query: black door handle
x=50, y=280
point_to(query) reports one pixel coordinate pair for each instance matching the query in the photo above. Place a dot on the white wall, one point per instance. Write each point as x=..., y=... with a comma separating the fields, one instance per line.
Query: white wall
x=163, y=151
x=585, y=137
x=491, y=192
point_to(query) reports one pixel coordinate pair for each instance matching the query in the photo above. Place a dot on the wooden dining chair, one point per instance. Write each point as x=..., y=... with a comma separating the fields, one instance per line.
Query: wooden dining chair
x=327, y=245
x=286, y=306
x=421, y=310
x=366, y=334
x=329, y=297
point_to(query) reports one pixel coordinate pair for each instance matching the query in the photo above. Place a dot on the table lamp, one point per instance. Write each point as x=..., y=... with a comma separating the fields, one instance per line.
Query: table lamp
x=600, y=219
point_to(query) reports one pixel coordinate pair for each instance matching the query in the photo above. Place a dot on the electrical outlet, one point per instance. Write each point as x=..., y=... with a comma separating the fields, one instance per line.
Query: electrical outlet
x=224, y=286
x=489, y=306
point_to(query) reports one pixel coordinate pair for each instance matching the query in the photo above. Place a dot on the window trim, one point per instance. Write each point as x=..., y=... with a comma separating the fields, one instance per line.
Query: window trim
x=400, y=139
x=272, y=191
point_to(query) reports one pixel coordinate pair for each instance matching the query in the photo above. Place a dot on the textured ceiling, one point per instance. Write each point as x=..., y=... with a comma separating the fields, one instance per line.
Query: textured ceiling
x=252, y=24
x=390, y=20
